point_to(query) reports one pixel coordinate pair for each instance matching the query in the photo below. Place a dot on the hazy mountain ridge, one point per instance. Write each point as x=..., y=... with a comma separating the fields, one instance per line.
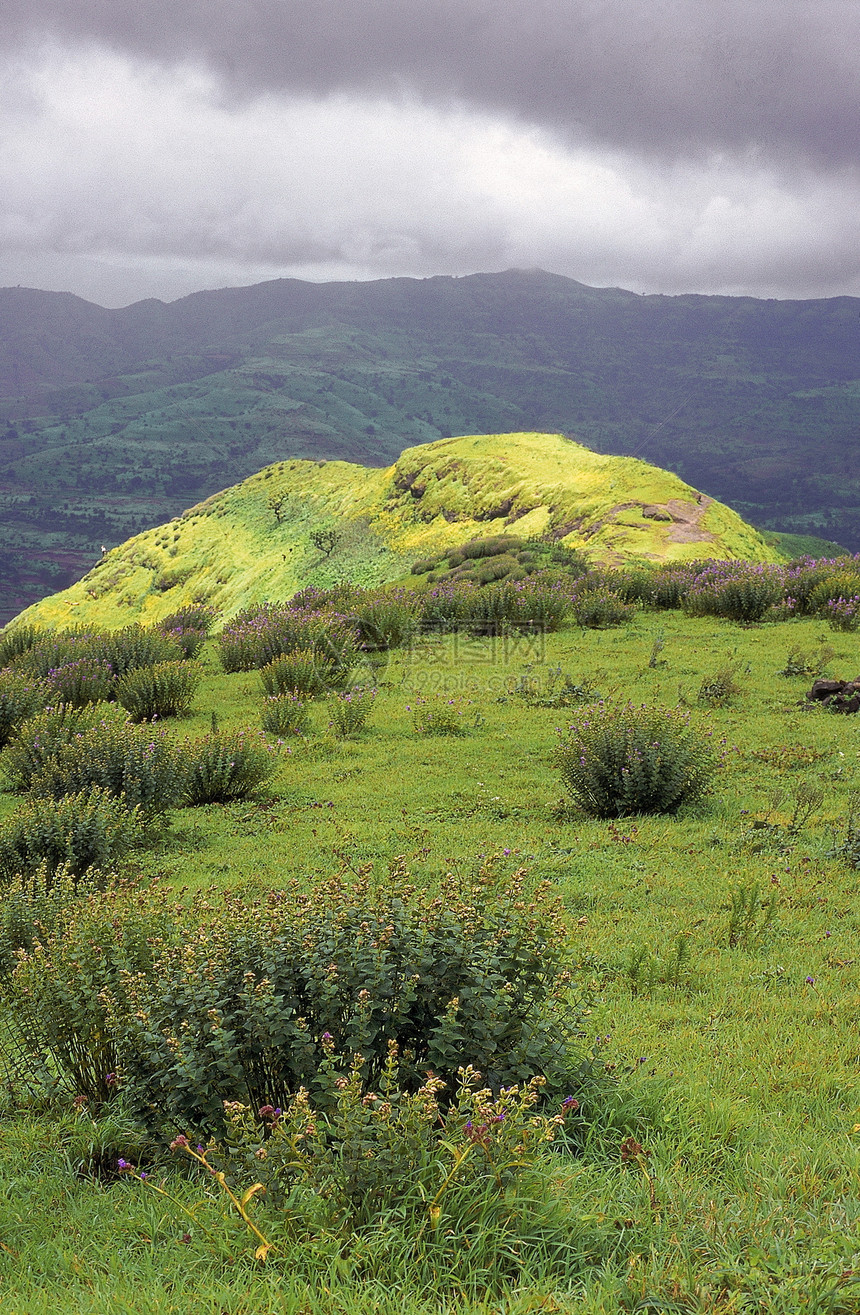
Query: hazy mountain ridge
x=258, y=540
x=127, y=416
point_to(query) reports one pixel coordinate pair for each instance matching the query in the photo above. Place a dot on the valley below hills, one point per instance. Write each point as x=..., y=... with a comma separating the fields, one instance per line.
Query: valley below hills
x=114, y=421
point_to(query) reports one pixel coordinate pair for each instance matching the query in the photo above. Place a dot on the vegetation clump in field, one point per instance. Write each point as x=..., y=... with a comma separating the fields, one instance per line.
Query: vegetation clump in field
x=621, y=759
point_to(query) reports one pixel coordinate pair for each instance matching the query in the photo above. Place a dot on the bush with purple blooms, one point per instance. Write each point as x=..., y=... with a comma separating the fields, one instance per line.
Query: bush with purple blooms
x=20, y=697
x=165, y=689
x=618, y=759
x=844, y=613
x=286, y=714
x=138, y=763
x=226, y=765
x=87, y=680
x=350, y=710
x=738, y=591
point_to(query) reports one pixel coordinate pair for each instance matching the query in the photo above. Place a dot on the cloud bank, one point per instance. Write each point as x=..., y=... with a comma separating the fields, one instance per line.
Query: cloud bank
x=155, y=148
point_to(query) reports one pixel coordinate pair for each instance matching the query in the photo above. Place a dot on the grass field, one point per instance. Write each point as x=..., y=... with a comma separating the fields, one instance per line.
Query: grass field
x=720, y=946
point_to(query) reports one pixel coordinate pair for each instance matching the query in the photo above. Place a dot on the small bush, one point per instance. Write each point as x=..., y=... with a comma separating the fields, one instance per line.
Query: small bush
x=163, y=690
x=719, y=689
x=350, y=710
x=306, y=671
x=285, y=714
x=78, y=683
x=134, y=762
x=80, y=832
x=472, y=1154
x=15, y=640
x=190, y=642
x=624, y=759
x=844, y=613
x=438, y=716
x=194, y=616
x=227, y=765
x=20, y=697
x=598, y=609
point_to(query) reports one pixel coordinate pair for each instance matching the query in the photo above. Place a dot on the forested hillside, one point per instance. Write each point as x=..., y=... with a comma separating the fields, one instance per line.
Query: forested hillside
x=115, y=420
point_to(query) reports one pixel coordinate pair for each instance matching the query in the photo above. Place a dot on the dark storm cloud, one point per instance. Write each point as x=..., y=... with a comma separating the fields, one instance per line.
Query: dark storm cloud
x=772, y=79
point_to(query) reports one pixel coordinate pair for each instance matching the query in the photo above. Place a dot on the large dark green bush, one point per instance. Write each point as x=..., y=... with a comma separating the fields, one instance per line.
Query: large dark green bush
x=252, y=1000
x=387, y=619
x=81, y=832
x=132, y=647
x=135, y=762
x=227, y=765
x=163, y=690
x=20, y=697
x=622, y=759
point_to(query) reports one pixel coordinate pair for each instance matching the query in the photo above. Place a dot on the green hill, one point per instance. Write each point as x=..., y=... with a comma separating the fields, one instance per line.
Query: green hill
x=114, y=420
x=313, y=522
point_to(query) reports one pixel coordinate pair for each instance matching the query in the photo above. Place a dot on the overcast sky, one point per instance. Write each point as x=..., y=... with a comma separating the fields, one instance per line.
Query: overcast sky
x=157, y=147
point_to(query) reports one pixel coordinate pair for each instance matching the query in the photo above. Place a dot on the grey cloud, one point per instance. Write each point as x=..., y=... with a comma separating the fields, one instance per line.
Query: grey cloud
x=772, y=79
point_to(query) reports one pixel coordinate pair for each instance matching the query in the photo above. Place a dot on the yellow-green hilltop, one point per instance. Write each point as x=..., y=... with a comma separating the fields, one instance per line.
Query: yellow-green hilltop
x=268, y=536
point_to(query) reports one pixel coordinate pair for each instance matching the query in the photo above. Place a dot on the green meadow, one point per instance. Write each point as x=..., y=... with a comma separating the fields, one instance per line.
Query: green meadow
x=713, y=952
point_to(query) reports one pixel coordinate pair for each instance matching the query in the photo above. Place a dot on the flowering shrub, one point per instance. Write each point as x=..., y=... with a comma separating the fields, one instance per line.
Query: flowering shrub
x=227, y=765
x=40, y=737
x=350, y=710
x=600, y=608
x=303, y=672
x=374, y=1149
x=624, y=759
x=20, y=697
x=78, y=683
x=285, y=714
x=135, y=762
x=80, y=832
x=163, y=690
x=438, y=715
x=387, y=619
x=738, y=591
x=844, y=613
x=189, y=627
x=71, y=975
x=259, y=635
x=132, y=647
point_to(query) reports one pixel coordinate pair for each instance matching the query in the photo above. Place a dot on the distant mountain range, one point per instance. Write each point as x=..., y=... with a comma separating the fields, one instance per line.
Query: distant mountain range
x=113, y=420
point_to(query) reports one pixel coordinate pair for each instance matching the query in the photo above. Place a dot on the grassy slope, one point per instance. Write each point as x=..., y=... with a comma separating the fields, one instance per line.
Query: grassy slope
x=150, y=409
x=752, y=1068
x=251, y=542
